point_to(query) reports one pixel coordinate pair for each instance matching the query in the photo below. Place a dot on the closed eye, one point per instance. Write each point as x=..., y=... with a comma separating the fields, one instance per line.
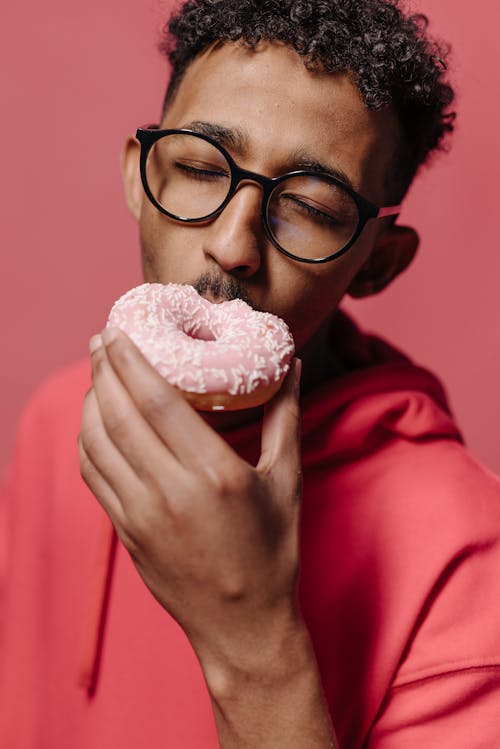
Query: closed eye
x=308, y=209
x=200, y=173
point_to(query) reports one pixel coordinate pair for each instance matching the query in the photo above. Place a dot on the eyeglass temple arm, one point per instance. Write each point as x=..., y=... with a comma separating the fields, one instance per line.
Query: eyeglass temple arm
x=389, y=211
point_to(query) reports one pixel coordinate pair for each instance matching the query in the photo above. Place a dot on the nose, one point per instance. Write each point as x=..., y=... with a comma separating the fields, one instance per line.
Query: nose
x=234, y=240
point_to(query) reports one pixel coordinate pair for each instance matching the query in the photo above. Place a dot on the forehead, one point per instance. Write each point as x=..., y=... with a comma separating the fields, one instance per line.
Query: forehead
x=283, y=109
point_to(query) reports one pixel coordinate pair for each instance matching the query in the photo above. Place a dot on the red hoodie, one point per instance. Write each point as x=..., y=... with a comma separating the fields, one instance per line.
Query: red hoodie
x=399, y=585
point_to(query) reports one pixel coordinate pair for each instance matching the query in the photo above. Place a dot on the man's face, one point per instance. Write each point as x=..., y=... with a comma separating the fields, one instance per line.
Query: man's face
x=286, y=115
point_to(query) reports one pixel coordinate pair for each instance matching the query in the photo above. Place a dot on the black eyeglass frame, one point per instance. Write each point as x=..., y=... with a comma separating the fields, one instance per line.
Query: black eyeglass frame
x=148, y=136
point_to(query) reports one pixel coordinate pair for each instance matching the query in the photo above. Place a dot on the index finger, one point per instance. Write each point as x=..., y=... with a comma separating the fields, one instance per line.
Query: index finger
x=180, y=427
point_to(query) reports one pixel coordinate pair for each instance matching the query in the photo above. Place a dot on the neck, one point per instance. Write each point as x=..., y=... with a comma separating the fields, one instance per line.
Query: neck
x=319, y=359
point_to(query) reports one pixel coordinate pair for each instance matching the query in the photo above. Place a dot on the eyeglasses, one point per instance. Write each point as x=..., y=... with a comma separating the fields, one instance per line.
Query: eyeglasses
x=309, y=216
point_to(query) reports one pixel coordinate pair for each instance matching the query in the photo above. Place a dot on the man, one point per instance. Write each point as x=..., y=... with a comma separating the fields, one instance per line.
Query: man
x=389, y=637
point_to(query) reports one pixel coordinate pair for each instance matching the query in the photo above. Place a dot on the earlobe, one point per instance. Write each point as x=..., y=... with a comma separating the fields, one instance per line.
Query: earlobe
x=392, y=253
x=129, y=161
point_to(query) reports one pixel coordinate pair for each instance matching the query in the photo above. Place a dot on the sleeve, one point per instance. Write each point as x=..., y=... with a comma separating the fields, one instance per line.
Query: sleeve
x=454, y=710
x=42, y=502
x=21, y=576
x=445, y=693
x=21, y=471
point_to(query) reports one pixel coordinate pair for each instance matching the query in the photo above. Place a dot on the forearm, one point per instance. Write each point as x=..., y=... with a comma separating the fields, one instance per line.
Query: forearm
x=275, y=700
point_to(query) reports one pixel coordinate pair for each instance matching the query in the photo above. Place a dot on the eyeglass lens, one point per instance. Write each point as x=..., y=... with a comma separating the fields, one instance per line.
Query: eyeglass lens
x=308, y=216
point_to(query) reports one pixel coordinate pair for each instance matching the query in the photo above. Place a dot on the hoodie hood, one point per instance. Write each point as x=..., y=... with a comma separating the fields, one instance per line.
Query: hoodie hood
x=382, y=396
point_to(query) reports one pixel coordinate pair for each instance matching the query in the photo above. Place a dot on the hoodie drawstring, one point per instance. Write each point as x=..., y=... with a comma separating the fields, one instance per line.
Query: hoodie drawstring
x=97, y=608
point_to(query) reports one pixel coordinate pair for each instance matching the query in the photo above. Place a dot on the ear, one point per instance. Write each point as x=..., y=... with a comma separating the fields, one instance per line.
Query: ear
x=392, y=253
x=132, y=185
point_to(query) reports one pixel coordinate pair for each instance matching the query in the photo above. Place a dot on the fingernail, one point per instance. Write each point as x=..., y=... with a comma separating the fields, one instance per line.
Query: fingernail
x=95, y=343
x=109, y=334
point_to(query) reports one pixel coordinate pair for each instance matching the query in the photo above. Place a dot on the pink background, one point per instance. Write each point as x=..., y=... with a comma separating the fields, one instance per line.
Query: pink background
x=77, y=77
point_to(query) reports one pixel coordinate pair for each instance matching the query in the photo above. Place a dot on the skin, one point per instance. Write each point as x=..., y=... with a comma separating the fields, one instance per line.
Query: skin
x=226, y=568
x=325, y=118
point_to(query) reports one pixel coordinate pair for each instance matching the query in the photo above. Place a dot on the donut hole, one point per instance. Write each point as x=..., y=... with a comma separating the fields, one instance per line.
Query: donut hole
x=200, y=333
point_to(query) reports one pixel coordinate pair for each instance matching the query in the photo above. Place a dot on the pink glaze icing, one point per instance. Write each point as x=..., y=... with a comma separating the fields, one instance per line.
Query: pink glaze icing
x=203, y=347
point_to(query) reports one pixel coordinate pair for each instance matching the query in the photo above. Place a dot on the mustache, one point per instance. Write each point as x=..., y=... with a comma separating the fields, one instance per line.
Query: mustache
x=225, y=289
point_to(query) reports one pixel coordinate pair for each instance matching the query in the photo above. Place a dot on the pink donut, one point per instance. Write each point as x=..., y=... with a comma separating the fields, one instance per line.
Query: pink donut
x=221, y=356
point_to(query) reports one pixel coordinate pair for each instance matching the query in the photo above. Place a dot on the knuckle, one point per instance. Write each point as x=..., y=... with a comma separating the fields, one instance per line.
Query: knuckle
x=121, y=353
x=88, y=442
x=81, y=449
x=116, y=427
x=88, y=404
x=131, y=541
x=87, y=469
x=99, y=364
x=86, y=475
x=233, y=587
x=89, y=419
x=94, y=420
x=136, y=532
x=84, y=459
x=155, y=404
x=230, y=481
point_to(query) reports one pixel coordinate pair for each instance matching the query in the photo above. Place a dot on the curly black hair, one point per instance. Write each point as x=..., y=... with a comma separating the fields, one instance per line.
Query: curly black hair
x=388, y=54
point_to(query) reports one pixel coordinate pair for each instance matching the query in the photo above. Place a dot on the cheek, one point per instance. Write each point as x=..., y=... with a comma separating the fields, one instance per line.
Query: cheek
x=309, y=295
x=151, y=239
x=305, y=299
x=170, y=252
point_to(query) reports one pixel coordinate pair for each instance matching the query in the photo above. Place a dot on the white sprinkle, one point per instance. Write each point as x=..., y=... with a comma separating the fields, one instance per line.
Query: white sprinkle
x=249, y=349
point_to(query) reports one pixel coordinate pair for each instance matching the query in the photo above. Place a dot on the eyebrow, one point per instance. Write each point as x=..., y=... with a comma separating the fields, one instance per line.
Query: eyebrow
x=302, y=160
x=236, y=139
x=231, y=137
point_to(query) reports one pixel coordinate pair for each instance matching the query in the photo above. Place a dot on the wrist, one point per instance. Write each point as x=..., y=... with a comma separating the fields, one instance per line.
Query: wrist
x=268, y=658
x=271, y=696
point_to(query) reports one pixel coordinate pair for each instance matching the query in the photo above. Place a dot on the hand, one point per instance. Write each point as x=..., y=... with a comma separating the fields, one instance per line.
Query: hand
x=214, y=539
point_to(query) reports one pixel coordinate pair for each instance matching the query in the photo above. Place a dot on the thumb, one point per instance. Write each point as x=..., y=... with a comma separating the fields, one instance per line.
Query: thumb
x=280, y=443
